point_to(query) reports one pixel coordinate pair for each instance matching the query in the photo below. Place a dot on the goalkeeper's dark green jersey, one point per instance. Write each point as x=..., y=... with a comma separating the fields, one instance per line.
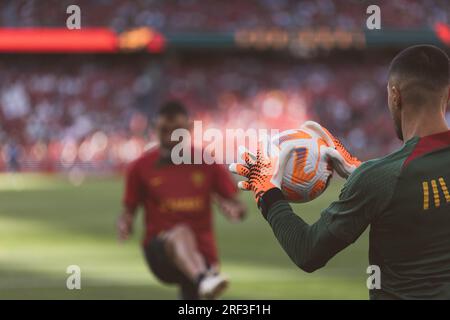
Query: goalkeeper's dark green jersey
x=405, y=199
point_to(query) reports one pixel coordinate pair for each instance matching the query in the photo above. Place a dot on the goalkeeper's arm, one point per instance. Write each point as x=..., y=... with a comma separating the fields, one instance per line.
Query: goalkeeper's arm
x=309, y=246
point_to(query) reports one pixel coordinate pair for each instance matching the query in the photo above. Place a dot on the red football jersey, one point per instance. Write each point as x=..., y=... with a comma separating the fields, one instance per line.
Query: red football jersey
x=177, y=194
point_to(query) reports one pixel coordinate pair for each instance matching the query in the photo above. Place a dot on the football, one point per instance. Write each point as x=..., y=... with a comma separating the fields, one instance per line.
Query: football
x=307, y=170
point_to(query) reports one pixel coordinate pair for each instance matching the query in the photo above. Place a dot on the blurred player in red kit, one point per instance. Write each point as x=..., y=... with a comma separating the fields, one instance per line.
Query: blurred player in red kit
x=179, y=243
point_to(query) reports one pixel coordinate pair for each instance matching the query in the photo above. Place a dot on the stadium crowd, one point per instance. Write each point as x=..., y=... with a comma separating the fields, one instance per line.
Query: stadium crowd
x=62, y=112
x=94, y=112
x=201, y=15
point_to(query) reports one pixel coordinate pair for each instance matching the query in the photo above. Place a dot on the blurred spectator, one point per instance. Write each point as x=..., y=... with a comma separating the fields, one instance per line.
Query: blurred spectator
x=11, y=154
x=215, y=15
x=60, y=112
x=94, y=112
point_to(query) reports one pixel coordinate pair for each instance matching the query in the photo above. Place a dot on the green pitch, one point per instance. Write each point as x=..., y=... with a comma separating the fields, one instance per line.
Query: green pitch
x=47, y=224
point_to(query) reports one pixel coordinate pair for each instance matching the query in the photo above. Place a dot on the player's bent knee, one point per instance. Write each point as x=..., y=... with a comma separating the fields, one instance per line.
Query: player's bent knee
x=181, y=231
x=177, y=234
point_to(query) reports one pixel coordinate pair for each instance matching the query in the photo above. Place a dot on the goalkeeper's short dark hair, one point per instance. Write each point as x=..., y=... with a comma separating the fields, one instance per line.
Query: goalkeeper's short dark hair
x=172, y=108
x=423, y=66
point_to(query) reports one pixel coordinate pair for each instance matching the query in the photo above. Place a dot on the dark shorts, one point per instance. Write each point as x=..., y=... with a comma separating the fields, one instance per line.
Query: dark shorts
x=165, y=270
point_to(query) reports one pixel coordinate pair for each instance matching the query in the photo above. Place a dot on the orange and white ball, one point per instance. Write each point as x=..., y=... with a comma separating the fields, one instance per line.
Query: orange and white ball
x=307, y=170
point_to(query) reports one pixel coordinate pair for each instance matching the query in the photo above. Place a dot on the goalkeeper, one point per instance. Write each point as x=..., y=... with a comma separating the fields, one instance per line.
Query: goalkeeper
x=404, y=196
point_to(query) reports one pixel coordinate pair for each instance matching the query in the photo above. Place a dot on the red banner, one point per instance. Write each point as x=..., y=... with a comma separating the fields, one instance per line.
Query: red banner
x=443, y=32
x=61, y=40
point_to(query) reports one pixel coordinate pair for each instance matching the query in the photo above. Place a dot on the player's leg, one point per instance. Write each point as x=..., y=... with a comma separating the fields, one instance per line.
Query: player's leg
x=181, y=247
x=166, y=271
x=173, y=258
x=189, y=291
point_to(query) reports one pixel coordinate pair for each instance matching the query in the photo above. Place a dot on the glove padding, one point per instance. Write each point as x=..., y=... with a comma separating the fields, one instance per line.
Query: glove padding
x=263, y=172
x=341, y=159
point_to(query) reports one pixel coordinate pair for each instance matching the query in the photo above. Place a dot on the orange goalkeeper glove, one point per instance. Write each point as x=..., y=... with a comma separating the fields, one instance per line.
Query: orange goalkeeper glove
x=341, y=159
x=263, y=172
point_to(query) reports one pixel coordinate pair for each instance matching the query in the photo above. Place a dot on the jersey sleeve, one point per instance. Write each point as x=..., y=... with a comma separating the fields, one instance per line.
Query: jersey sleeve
x=361, y=200
x=132, y=197
x=311, y=246
x=223, y=183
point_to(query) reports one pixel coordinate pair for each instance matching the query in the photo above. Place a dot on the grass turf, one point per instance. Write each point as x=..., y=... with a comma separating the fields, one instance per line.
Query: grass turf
x=47, y=224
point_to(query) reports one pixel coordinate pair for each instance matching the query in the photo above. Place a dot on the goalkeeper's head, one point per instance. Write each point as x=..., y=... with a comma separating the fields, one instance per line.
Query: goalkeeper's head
x=418, y=85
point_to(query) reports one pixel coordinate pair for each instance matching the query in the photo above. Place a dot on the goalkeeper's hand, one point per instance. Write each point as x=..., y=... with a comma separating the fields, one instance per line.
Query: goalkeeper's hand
x=341, y=159
x=263, y=172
